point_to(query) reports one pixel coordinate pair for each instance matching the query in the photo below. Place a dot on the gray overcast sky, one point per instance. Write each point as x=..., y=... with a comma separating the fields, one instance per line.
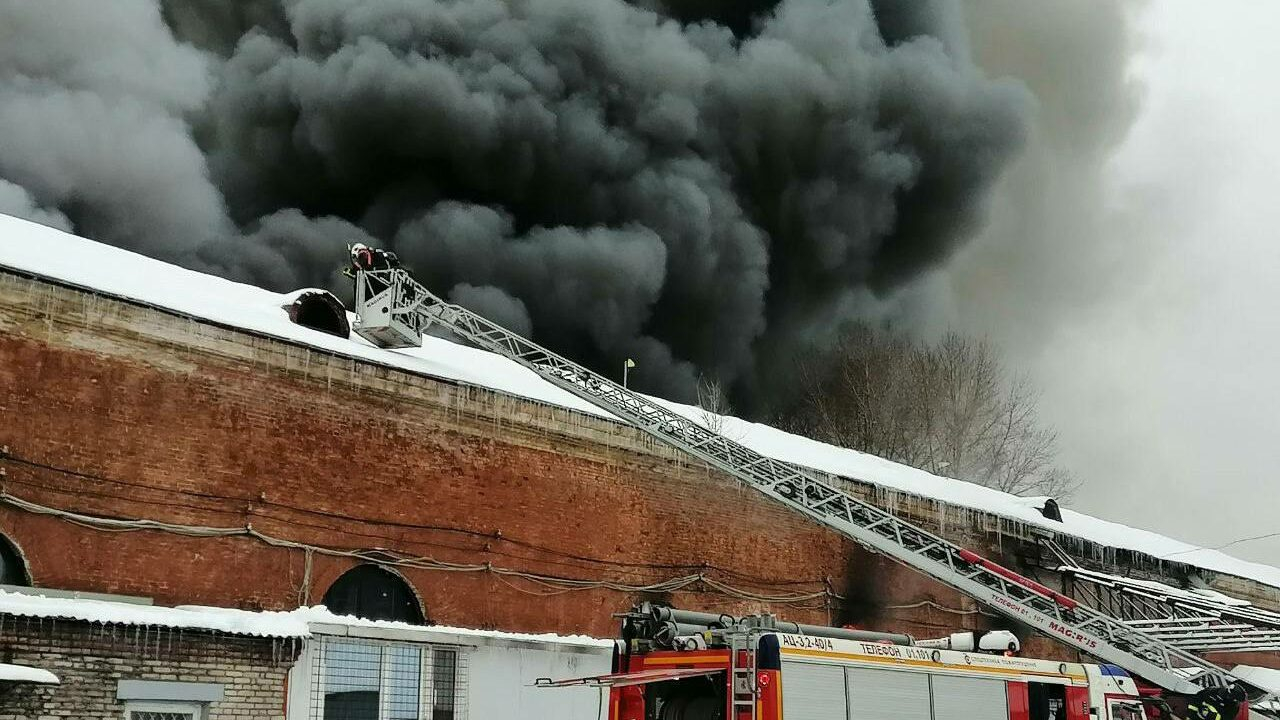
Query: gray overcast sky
x=1155, y=337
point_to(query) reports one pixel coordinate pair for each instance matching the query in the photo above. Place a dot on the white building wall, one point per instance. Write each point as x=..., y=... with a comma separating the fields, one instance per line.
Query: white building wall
x=501, y=682
x=496, y=676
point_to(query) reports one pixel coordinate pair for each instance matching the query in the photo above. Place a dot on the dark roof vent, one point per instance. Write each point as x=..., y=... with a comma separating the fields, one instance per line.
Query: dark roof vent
x=319, y=310
x=1050, y=510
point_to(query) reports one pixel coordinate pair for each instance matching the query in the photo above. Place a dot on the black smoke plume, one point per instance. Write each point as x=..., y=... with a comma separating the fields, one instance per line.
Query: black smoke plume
x=700, y=185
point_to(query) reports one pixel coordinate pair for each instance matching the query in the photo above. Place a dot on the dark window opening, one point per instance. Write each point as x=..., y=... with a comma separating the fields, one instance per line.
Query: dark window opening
x=371, y=592
x=1047, y=702
x=351, y=705
x=320, y=310
x=12, y=570
x=699, y=698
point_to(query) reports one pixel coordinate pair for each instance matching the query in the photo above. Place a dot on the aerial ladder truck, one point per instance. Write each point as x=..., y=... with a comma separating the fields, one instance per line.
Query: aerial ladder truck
x=394, y=311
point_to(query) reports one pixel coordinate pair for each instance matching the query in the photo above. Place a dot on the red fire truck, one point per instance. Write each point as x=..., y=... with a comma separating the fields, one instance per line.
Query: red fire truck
x=680, y=665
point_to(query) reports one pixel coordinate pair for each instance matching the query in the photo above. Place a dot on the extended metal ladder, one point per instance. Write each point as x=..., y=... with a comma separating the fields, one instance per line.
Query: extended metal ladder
x=1200, y=623
x=393, y=310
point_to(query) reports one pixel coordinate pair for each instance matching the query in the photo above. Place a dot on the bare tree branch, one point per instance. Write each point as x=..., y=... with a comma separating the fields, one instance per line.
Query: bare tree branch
x=713, y=403
x=951, y=408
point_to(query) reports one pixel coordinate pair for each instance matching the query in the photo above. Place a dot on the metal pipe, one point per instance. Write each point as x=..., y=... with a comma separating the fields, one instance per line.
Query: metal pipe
x=665, y=632
x=690, y=622
x=689, y=617
x=783, y=626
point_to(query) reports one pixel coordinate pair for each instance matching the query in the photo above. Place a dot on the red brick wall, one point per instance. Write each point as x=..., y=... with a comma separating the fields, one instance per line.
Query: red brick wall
x=1257, y=659
x=126, y=412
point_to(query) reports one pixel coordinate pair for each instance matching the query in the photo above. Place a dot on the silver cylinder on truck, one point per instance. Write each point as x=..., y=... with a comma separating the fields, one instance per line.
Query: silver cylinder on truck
x=783, y=626
x=689, y=617
x=667, y=631
x=664, y=624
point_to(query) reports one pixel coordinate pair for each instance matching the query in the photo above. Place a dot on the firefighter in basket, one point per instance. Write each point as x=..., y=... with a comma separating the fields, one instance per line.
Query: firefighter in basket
x=370, y=259
x=1216, y=703
x=364, y=257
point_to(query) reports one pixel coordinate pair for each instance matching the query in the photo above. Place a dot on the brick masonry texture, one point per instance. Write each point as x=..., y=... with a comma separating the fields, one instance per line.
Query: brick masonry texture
x=120, y=410
x=90, y=660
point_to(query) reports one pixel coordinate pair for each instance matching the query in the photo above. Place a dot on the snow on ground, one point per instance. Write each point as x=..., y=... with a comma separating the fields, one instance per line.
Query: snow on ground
x=281, y=624
x=53, y=254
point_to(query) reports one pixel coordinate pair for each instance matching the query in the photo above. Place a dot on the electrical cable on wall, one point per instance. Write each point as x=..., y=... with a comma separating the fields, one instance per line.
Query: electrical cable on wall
x=549, y=584
x=380, y=555
x=942, y=608
x=333, y=515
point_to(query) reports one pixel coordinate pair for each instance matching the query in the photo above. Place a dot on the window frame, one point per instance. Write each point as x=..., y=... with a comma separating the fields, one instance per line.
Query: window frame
x=427, y=677
x=428, y=655
x=1128, y=704
x=196, y=709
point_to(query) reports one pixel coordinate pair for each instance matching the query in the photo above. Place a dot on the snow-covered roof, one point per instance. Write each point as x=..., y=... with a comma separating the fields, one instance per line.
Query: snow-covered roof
x=53, y=254
x=236, y=622
x=1261, y=677
x=23, y=673
x=1200, y=596
x=299, y=623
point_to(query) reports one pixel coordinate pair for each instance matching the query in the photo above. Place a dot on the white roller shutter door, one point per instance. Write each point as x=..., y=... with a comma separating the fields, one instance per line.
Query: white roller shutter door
x=887, y=695
x=812, y=692
x=961, y=698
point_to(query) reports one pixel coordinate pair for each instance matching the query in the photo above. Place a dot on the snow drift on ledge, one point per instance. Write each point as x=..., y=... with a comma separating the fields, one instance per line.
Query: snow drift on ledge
x=264, y=623
x=49, y=253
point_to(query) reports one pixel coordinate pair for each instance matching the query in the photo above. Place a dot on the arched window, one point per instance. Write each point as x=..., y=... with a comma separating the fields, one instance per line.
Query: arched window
x=12, y=570
x=371, y=592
